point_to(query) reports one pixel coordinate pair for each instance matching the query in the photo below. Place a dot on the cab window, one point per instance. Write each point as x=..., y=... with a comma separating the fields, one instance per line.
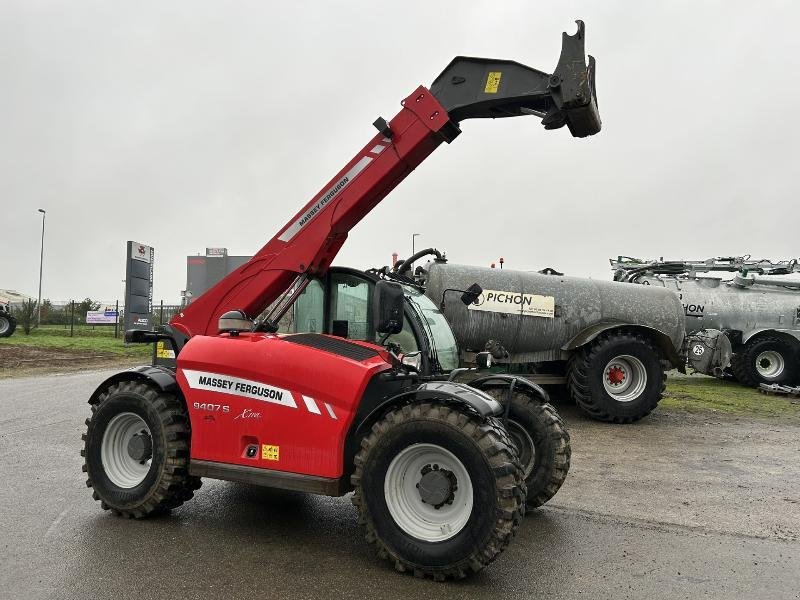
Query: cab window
x=350, y=313
x=308, y=310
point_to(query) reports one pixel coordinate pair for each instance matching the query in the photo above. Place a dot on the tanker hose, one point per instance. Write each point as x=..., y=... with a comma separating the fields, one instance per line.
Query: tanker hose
x=401, y=266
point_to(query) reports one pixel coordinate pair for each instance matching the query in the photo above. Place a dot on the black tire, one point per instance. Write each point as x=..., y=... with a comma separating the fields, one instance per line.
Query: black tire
x=167, y=484
x=487, y=454
x=542, y=441
x=746, y=368
x=7, y=325
x=587, y=372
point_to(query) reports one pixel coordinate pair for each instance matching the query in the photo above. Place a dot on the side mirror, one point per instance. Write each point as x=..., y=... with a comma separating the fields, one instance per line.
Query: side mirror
x=234, y=322
x=472, y=294
x=388, y=303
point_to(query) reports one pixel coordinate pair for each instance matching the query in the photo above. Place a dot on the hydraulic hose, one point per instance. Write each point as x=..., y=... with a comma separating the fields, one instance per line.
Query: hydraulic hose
x=402, y=266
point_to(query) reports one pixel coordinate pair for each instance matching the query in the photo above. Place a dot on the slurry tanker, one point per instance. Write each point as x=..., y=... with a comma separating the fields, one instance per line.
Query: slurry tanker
x=608, y=344
x=756, y=303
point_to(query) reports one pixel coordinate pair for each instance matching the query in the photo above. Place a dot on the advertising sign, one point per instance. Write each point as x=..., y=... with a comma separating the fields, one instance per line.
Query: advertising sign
x=101, y=317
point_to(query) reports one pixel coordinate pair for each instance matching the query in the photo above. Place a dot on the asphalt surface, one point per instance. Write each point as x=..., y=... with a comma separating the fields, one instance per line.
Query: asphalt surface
x=677, y=506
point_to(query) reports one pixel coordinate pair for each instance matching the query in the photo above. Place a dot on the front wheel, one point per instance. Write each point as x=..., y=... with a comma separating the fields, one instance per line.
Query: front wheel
x=439, y=490
x=136, y=451
x=766, y=360
x=618, y=378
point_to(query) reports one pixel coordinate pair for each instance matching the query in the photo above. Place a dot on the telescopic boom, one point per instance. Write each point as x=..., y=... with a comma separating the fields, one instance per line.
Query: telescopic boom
x=468, y=88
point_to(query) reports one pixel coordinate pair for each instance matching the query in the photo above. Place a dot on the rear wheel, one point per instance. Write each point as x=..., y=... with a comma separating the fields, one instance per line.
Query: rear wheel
x=766, y=360
x=136, y=451
x=7, y=325
x=542, y=441
x=618, y=378
x=439, y=490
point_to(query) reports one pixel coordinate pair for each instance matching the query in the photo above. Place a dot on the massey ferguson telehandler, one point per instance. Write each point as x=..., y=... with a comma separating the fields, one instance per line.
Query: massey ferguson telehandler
x=437, y=480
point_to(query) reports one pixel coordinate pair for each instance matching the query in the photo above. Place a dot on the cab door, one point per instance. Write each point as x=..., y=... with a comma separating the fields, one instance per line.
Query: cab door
x=341, y=305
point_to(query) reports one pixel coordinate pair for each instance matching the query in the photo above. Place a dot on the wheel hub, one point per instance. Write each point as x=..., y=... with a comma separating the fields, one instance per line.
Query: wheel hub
x=770, y=364
x=126, y=450
x=625, y=378
x=437, y=486
x=140, y=447
x=615, y=375
x=428, y=492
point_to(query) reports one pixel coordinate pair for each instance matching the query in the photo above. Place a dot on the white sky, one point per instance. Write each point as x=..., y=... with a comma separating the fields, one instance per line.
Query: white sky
x=192, y=124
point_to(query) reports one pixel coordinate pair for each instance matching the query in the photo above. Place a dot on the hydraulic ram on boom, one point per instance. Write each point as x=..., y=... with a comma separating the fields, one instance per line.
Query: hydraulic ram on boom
x=467, y=88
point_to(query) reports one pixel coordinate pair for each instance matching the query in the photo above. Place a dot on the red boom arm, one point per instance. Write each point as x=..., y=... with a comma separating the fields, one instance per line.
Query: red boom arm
x=311, y=240
x=467, y=88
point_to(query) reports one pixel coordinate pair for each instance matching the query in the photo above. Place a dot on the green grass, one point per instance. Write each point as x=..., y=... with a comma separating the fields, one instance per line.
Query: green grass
x=696, y=394
x=100, y=339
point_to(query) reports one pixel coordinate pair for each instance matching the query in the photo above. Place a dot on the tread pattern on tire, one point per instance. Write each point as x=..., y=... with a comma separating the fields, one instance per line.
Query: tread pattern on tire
x=493, y=439
x=578, y=378
x=740, y=363
x=555, y=470
x=544, y=482
x=174, y=486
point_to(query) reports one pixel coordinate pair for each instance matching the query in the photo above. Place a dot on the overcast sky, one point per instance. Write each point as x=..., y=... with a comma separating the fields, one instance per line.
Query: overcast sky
x=191, y=124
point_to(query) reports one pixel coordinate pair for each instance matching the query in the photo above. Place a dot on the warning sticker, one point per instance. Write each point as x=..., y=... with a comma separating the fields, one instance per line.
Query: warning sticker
x=270, y=452
x=162, y=351
x=493, y=82
x=501, y=301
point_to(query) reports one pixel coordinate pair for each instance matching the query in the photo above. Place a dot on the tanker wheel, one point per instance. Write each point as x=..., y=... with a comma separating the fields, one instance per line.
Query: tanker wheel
x=7, y=325
x=542, y=441
x=618, y=378
x=766, y=360
x=136, y=451
x=439, y=490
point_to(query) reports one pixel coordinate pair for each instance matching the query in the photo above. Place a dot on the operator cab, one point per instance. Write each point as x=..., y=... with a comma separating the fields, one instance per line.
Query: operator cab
x=343, y=304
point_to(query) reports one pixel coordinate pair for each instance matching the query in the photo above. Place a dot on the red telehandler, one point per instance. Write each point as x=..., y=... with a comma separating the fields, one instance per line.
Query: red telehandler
x=436, y=478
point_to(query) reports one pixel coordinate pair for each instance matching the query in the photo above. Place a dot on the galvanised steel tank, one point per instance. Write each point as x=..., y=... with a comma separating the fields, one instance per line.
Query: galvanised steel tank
x=578, y=305
x=760, y=315
x=608, y=342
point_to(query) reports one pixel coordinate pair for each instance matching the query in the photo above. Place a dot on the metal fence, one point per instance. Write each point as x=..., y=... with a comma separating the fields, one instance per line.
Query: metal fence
x=71, y=315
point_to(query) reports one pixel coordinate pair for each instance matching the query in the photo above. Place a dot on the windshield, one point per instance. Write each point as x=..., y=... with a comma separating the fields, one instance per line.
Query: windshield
x=443, y=344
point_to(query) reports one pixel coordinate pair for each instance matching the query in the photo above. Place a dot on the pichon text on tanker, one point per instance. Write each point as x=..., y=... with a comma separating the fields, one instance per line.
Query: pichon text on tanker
x=502, y=301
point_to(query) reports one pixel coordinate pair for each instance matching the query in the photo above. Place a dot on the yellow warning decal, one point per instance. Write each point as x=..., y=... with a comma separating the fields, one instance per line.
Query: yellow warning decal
x=493, y=82
x=270, y=452
x=163, y=352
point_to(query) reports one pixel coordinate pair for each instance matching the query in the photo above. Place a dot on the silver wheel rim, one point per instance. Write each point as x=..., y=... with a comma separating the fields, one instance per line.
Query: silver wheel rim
x=770, y=364
x=121, y=468
x=416, y=518
x=5, y=325
x=524, y=444
x=624, y=378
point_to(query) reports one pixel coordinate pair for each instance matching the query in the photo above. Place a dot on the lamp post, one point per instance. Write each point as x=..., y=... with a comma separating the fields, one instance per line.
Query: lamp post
x=41, y=262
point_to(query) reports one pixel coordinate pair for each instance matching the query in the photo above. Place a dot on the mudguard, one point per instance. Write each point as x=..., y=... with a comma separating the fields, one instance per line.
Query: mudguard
x=162, y=378
x=445, y=392
x=662, y=339
x=500, y=380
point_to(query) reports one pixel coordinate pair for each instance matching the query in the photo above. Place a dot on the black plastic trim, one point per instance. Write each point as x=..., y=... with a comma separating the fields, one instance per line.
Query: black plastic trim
x=334, y=345
x=162, y=377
